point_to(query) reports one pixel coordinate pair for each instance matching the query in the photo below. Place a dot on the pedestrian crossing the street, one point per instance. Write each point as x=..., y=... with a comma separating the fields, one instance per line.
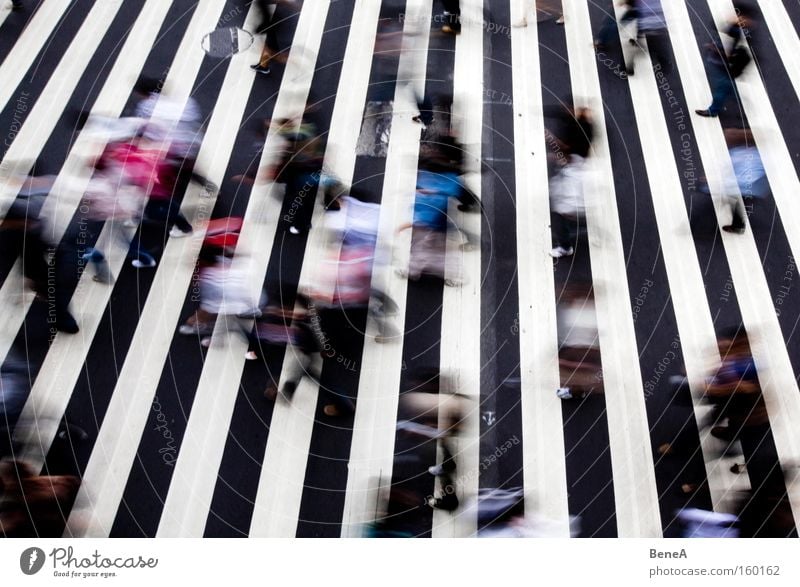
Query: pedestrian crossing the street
x=485, y=384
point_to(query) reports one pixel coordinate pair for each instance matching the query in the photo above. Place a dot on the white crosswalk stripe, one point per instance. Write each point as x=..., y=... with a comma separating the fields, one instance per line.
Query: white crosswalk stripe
x=635, y=487
x=544, y=466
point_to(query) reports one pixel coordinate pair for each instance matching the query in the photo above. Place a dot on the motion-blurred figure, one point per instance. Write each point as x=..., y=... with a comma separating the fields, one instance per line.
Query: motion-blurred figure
x=567, y=205
x=14, y=390
x=300, y=169
x=346, y=280
x=570, y=131
x=306, y=355
x=579, y=363
x=609, y=27
x=501, y=514
x=697, y=523
x=749, y=177
x=734, y=390
x=225, y=291
x=728, y=59
x=434, y=412
x=113, y=200
x=22, y=235
x=569, y=138
x=31, y=504
x=175, y=127
x=438, y=181
x=268, y=27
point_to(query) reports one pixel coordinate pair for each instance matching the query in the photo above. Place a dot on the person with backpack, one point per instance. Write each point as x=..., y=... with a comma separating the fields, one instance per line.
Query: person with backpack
x=726, y=64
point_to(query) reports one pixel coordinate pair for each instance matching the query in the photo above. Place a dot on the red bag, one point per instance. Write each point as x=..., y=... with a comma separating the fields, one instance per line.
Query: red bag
x=223, y=232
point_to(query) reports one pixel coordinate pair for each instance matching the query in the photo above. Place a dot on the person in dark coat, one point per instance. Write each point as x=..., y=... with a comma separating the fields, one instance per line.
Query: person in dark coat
x=22, y=235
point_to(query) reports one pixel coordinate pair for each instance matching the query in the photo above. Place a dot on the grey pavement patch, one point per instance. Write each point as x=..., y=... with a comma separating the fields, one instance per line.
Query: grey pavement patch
x=376, y=129
x=226, y=42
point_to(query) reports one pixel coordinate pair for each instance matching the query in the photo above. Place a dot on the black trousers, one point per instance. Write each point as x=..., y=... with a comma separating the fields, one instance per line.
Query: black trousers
x=564, y=230
x=267, y=23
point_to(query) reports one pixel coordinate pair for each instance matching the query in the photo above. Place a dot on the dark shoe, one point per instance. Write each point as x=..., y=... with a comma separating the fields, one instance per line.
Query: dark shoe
x=289, y=388
x=722, y=432
x=260, y=69
x=733, y=229
x=706, y=113
x=448, y=502
x=67, y=324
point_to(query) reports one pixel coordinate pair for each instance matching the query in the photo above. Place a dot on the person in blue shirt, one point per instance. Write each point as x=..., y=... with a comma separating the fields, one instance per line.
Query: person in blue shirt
x=438, y=181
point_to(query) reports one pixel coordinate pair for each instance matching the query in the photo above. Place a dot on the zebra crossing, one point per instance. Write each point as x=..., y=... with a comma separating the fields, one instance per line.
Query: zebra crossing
x=244, y=466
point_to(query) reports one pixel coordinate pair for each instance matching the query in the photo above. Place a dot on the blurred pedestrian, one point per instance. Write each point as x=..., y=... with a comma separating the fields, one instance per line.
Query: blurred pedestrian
x=306, y=355
x=749, y=177
x=650, y=24
x=14, y=390
x=579, y=360
x=43, y=266
x=605, y=36
x=33, y=505
x=570, y=130
x=176, y=128
x=569, y=139
x=346, y=280
x=434, y=411
x=734, y=390
x=567, y=205
x=727, y=60
x=225, y=291
x=301, y=171
x=269, y=28
x=112, y=200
